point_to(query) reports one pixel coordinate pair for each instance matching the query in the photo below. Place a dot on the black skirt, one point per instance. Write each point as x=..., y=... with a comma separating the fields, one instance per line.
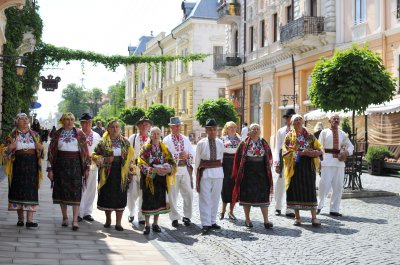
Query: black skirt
x=154, y=203
x=301, y=194
x=23, y=191
x=229, y=182
x=111, y=197
x=67, y=187
x=255, y=186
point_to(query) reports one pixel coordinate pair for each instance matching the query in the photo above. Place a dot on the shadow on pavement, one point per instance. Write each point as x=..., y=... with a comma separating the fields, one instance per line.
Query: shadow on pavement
x=390, y=200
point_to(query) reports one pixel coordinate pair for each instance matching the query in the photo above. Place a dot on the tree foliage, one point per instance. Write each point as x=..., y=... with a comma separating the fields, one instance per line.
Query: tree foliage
x=131, y=115
x=74, y=100
x=351, y=80
x=94, y=99
x=221, y=109
x=160, y=114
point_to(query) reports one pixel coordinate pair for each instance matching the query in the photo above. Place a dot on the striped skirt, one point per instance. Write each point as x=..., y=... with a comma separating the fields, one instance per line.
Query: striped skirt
x=301, y=194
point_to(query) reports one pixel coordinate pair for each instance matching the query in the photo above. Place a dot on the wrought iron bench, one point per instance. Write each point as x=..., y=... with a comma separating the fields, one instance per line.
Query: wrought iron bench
x=353, y=171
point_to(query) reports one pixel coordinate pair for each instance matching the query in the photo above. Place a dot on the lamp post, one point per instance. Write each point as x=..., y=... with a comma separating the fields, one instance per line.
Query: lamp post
x=286, y=99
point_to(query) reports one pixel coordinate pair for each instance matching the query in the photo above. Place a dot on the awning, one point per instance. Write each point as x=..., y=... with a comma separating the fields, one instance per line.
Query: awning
x=385, y=108
x=318, y=114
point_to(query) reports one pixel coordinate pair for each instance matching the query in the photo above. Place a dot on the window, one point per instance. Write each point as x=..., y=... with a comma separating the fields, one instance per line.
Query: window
x=183, y=110
x=398, y=9
x=289, y=14
x=218, y=56
x=170, y=100
x=251, y=29
x=275, y=29
x=313, y=8
x=221, y=92
x=262, y=33
x=255, y=107
x=236, y=48
x=360, y=11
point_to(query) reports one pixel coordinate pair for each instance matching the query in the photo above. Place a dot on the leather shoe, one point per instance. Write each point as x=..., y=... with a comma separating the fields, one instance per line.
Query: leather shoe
x=215, y=226
x=268, y=225
x=130, y=219
x=249, y=225
x=318, y=211
x=232, y=217
x=205, y=229
x=20, y=223
x=336, y=214
x=146, y=230
x=88, y=218
x=142, y=222
x=186, y=221
x=80, y=219
x=278, y=212
x=291, y=215
x=119, y=228
x=31, y=224
x=156, y=228
x=175, y=223
x=107, y=225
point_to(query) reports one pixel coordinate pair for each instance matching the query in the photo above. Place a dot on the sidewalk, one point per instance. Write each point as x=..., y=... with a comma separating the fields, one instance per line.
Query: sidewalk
x=52, y=244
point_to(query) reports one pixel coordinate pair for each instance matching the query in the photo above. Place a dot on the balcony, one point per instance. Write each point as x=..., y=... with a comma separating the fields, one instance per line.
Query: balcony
x=305, y=33
x=223, y=61
x=228, y=13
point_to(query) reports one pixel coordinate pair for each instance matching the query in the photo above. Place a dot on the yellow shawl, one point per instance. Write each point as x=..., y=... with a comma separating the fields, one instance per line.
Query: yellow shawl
x=104, y=149
x=289, y=149
x=144, y=159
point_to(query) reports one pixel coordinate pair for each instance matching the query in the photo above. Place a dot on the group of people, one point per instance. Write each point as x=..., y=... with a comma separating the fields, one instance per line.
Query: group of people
x=146, y=174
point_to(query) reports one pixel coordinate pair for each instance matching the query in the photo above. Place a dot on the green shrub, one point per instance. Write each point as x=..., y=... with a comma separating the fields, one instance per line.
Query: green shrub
x=377, y=153
x=346, y=126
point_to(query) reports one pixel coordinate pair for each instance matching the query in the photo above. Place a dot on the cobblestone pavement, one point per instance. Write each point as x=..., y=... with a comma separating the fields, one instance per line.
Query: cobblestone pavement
x=368, y=233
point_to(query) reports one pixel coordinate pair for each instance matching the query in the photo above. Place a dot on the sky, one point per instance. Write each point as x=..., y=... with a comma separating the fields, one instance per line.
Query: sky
x=102, y=26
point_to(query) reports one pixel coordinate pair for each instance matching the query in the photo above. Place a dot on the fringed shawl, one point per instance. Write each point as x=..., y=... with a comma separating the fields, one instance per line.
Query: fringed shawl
x=240, y=160
x=82, y=147
x=144, y=159
x=289, y=149
x=104, y=149
x=9, y=158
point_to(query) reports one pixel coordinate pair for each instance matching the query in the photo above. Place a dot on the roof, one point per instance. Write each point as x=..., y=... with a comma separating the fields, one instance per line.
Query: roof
x=141, y=47
x=206, y=9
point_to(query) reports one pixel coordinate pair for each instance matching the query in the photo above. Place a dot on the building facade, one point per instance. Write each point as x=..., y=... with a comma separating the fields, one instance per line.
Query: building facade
x=271, y=47
x=179, y=85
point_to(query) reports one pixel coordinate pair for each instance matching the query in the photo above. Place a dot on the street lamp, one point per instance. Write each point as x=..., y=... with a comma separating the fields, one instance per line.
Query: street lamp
x=286, y=99
x=20, y=68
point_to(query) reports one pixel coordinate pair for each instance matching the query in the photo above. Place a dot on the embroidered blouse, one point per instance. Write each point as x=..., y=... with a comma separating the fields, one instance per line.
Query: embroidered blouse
x=68, y=141
x=116, y=146
x=25, y=141
x=154, y=157
x=230, y=143
x=255, y=149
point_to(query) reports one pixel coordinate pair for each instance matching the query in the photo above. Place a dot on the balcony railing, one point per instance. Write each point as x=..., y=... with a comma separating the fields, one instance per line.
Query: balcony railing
x=230, y=9
x=223, y=60
x=300, y=27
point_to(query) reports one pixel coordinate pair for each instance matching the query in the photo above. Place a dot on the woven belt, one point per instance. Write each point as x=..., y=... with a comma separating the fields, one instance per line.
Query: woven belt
x=68, y=155
x=182, y=163
x=255, y=158
x=25, y=152
x=332, y=151
x=229, y=155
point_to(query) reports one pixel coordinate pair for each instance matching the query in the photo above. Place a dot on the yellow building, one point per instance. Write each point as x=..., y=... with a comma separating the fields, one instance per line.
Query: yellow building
x=264, y=36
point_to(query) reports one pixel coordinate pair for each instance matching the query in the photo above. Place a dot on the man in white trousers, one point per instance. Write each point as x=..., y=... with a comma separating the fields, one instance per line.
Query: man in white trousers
x=337, y=147
x=280, y=183
x=209, y=175
x=89, y=192
x=182, y=150
x=137, y=140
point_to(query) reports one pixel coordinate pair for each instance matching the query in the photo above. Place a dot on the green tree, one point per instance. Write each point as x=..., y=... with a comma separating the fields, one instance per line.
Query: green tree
x=116, y=95
x=351, y=80
x=94, y=97
x=160, y=114
x=222, y=110
x=74, y=100
x=345, y=124
x=131, y=115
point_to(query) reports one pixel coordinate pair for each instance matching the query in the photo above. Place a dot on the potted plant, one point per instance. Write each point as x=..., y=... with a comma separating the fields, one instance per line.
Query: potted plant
x=375, y=157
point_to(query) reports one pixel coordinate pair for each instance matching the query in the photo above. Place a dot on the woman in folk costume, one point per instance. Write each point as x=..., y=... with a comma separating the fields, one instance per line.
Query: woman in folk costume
x=231, y=140
x=114, y=157
x=157, y=168
x=301, y=151
x=252, y=171
x=23, y=154
x=68, y=167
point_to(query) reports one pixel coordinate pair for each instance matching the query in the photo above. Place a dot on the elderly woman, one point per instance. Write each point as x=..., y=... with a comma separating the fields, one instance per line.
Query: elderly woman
x=231, y=140
x=114, y=156
x=157, y=168
x=301, y=151
x=23, y=156
x=68, y=167
x=252, y=171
